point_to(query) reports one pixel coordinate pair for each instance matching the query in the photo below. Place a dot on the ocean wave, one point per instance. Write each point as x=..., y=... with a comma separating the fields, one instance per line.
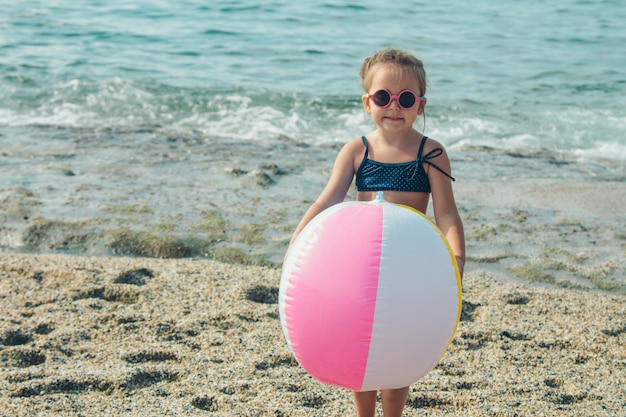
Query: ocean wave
x=259, y=114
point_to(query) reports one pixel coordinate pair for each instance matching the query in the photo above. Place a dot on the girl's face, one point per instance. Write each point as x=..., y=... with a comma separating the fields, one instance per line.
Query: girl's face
x=393, y=118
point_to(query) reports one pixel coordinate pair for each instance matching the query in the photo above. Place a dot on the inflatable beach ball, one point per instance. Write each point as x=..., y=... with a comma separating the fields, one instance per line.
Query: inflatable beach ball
x=370, y=296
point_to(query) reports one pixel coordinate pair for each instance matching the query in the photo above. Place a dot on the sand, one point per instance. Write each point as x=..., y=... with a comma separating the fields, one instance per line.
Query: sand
x=542, y=332
x=146, y=337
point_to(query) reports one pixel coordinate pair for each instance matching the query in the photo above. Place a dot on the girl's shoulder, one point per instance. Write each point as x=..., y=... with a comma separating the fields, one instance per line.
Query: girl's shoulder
x=432, y=144
x=354, y=146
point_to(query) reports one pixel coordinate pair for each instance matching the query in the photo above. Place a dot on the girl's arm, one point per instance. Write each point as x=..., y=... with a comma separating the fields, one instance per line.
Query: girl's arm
x=445, y=210
x=337, y=187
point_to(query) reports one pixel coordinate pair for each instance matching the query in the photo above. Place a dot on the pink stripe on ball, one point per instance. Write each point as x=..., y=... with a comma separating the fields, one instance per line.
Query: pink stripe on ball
x=333, y=339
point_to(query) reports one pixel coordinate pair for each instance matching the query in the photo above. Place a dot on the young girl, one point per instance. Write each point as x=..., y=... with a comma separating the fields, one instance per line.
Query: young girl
x=396, y=159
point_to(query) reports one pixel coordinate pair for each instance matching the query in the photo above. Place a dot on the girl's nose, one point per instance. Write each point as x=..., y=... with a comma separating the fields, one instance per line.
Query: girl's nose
x=393, y=104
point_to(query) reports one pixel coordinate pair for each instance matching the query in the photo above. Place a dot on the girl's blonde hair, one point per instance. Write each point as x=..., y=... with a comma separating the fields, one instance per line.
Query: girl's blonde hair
x=401, y=59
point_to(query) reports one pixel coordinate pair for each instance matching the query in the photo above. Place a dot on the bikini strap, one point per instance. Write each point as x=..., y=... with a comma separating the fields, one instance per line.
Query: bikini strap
x=434, y=153
x=365, y=144
x=419, y=153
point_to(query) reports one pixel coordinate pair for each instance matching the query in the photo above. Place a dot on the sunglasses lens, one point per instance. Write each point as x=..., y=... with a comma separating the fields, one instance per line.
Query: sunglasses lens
x=407, y=100
x=381, y=98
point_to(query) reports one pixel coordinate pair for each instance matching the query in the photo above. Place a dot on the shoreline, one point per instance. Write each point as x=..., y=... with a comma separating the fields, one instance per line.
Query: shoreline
x=551, y=233
x=533, y=218
x=105, y=336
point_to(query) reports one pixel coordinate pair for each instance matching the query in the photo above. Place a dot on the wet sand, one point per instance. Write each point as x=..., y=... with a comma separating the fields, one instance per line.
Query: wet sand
x=535, y=217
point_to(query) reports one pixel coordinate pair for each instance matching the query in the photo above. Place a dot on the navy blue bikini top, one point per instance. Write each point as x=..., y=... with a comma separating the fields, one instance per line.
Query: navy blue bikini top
x=404, y=176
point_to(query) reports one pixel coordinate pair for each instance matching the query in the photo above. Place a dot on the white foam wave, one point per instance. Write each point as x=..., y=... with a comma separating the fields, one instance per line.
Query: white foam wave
x=259, y=115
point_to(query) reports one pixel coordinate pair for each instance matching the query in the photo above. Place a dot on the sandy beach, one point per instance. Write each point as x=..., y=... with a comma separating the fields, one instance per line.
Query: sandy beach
x=97, y=336
x=542, y=332
x=146, y=337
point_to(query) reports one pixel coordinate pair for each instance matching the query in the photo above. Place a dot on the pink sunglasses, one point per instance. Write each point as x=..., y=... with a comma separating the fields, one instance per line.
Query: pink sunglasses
x=407, y=99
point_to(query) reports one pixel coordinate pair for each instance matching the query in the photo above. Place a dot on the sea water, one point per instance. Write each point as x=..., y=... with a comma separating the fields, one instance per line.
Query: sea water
x=195, y=118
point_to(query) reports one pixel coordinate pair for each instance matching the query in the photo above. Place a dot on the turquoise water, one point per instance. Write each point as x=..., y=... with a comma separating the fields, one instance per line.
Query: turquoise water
x=152, y=115
x=512, y=75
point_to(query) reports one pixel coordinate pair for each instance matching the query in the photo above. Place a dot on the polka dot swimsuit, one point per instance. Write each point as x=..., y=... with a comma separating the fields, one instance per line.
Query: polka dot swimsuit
x=404, y=176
